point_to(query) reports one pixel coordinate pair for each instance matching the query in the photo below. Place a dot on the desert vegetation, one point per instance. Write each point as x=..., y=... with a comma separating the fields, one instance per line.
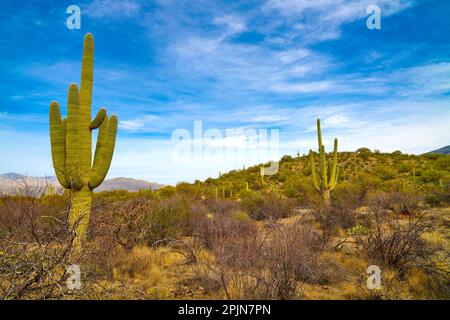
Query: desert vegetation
x=236, y=238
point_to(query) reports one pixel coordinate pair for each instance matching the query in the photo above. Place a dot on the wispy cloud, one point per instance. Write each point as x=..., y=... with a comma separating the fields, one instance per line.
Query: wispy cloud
x=112, y=9
x=318, y=20
x=142, y=123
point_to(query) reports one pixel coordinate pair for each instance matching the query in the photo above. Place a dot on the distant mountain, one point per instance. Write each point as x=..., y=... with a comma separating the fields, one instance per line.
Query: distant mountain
x=11, y=175
x=12, y=182
x=127, y=184
x=444, y=150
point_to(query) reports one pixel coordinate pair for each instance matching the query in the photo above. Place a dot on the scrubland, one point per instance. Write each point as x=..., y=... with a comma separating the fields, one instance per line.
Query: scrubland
x=243, y=236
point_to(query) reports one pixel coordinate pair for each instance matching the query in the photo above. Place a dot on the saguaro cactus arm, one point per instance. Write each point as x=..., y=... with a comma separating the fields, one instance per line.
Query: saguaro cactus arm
x=99, y=118
x=313, y=171
x=323, y=167
x=104, y=151
x=333, y=171
x=73, y=106
x=58, y=143
x=319, y=134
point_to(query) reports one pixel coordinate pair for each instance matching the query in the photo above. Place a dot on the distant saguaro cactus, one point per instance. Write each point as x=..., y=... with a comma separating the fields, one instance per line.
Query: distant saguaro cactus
x=71, y=144
x=261, y=172
x=329, y=171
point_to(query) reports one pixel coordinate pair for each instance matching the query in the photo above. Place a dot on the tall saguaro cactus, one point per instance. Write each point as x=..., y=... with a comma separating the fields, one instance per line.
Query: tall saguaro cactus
x=329, y=172
x=71, y=144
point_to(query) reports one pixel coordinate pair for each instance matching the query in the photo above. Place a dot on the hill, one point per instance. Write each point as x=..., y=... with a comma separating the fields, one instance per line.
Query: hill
x=127, y=184
x=385, y=170
x=443, y=150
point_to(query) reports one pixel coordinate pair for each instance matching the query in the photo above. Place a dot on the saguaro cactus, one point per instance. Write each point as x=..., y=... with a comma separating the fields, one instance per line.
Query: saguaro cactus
x=261, y=173
x=71, y=144
x=329, y=172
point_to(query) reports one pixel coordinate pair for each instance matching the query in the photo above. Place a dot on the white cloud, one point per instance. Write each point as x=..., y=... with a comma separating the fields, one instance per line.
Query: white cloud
x=319, y=20
x=234, y=24
x=143, y=123
x=307, y=87
x=114, y=9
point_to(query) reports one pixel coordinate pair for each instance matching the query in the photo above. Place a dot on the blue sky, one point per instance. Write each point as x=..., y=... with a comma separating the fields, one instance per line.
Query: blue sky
x=270, y=64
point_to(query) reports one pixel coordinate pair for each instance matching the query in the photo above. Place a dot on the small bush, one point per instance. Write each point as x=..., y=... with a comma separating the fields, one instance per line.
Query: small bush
x=401, y=246
x=166, y=219
x=256, y=267
x=222, y=229
x=268, y=205
x=398, y=202
x=439, y=195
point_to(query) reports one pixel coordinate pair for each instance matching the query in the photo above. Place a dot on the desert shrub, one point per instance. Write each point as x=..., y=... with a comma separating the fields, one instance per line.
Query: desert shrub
x=268, y=205
x=166, y=192
x=190, y=190
x=19, y=215
x=398, y=202
x=296, y=249
x=332, y=218
x=404, y=167
x=257, y=267
x=167, y=218
x=141, y=221
x=114, y=227
x=362, y=185
x=36, y=248
x=439, y=195
x=385, y=172
x=222, y=229
x=403, y=203
x=114, y=195
x=443, y=163
x=299, y=188
x=220, y=206
x=431, y=176
x=402, y=247
x=364, y=153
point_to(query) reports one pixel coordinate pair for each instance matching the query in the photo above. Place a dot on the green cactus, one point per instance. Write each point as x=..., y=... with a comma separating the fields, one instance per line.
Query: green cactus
x=71, y=144
x=329, y=171
x=216, y=192
x=261, y=172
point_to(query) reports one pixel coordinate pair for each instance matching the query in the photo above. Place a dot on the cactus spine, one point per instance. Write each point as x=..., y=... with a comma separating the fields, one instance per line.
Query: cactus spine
x=329, y=172
x=71, y=144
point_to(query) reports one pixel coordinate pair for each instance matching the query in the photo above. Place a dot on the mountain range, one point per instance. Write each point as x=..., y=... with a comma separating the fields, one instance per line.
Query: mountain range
x=12, y=182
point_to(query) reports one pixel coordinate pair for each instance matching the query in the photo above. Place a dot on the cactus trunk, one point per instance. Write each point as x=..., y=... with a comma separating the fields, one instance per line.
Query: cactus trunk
x=326, y=199
x=80, y=211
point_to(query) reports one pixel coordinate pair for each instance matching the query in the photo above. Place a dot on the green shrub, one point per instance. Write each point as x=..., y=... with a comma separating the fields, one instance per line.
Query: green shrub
x=166, y=192
x=166, y=218
x=385, y=172
x=266, y=205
